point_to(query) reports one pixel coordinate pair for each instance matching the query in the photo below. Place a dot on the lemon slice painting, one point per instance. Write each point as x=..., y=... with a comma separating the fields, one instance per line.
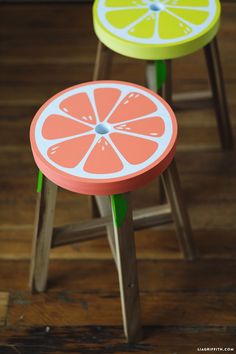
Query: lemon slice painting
x=156, y=29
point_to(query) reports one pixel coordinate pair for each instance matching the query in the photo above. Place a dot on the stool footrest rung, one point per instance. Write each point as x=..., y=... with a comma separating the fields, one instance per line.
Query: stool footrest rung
x=81, y=231
x=181, y=100
x=95, y=228
x=152, y=216
x=197, y=99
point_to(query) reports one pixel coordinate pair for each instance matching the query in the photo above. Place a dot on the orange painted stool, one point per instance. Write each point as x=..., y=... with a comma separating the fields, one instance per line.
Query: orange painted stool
x=106, y=138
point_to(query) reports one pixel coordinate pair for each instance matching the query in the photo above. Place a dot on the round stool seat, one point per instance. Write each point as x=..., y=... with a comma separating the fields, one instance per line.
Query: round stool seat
x=156, y=29
x=103, y=137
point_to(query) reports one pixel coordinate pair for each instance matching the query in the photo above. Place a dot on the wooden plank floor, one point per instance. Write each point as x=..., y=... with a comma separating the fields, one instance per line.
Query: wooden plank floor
x=185, y=305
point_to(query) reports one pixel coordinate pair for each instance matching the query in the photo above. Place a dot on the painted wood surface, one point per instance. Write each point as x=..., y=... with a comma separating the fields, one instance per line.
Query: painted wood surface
x=156, y=31
x=85, y=138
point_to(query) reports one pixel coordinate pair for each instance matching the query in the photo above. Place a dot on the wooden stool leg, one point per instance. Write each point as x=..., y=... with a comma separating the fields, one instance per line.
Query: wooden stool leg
x=219, y=96
x=94, y=210
x=173, y=190
x=103, y=63
x=126, y=265
x=104, y=207
x=43, y=229
x=166, y=92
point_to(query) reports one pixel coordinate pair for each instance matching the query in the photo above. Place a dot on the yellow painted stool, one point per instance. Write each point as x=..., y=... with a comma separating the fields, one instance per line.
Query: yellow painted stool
x=163, y=30
x=106, y=138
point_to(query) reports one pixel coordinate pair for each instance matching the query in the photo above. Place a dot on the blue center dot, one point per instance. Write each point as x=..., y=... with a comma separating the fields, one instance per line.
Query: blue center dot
x=102, y=129
x=155, y=7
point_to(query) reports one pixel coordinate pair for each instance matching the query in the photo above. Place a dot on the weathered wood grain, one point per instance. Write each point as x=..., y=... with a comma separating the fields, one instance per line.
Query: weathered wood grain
x=109, y=340
x=205, y=275
x=4, y=299
x=212, y=243
x=69, y=308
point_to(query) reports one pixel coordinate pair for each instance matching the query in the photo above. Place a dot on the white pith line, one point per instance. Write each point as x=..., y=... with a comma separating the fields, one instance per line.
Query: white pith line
x=140, y=19
x=141, y=136
x=151, y=115
x=62, y=140
x=84, y=159
x=91, y=97
x=121, y=157
x=194, y=8
x=134, y=7
x=78, y=120
x=120, y=99
x=189, y=24
x=156, y=29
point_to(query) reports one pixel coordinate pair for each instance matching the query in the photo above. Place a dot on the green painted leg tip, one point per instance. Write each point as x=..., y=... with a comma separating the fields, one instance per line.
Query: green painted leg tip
x=161, y=73
x=40, y=182
x=119, y=208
